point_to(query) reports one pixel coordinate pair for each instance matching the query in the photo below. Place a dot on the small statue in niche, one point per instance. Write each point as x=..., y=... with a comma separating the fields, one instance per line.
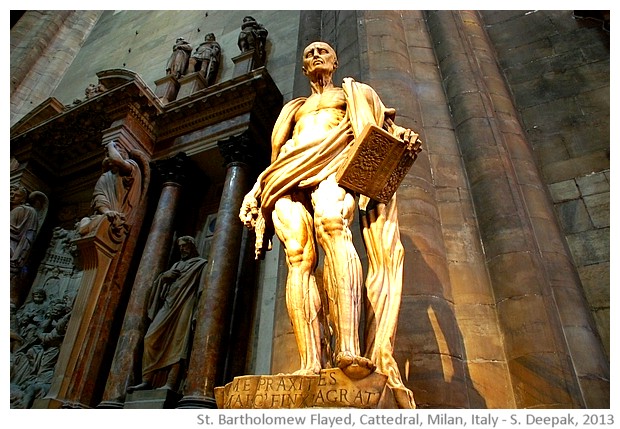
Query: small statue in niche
x=206, y=58
x=116, y=192
x=28, y=212
x=171, y=305
x=178, y=61
x=253, y=36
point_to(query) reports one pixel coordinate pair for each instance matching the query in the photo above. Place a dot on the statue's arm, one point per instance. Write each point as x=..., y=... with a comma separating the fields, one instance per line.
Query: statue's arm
x=124, y=166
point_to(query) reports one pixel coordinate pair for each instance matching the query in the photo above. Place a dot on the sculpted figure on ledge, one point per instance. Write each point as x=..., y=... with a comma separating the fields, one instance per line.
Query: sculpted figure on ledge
x=299, y=199
x=117, y=190
x=171, y=306
x=206, y=59
x=28, y=212
x=252, y=36
x=179, y=59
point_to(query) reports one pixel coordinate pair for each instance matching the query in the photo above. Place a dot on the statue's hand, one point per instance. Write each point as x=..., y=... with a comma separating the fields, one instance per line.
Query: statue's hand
x=171, y=275
x=249, y=211
x=411, y=139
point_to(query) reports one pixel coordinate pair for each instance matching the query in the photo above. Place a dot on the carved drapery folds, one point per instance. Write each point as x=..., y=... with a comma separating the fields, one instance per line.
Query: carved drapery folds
x=117, y=193
x=179, y=59
x=28, y=212
x=253, y=37
x=39, y=326
x=206, y=59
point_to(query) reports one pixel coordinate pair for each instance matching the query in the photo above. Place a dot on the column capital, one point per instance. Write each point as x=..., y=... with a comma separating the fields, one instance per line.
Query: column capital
x=237, y=149
x=173, y=170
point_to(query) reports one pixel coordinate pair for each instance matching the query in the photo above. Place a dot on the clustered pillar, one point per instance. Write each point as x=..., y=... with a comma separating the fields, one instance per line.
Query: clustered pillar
x=554, y=357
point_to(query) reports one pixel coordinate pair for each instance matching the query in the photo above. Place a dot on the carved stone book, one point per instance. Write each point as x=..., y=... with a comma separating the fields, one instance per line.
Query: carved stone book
x=376, y=165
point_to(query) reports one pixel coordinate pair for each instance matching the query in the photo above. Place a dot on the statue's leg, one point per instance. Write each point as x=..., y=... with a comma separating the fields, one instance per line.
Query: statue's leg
x=173, y=378
x=334, y=209
x=293, y=225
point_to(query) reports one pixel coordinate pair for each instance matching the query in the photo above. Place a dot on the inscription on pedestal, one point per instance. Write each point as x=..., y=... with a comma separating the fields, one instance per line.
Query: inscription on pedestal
x=330, y=389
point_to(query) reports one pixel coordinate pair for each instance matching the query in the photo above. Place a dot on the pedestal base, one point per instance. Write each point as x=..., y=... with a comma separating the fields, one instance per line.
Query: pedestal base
x=190, y=84
x=331, y=388
x=246, y=62
x=152, y=399
x=166, y=89
x=196, y=402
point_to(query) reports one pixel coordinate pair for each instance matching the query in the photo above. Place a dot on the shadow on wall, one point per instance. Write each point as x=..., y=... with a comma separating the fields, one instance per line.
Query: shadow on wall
x=429, y=345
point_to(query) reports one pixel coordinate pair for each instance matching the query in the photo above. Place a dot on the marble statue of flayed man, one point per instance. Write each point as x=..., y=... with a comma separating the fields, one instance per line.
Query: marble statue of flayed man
x=299, y=199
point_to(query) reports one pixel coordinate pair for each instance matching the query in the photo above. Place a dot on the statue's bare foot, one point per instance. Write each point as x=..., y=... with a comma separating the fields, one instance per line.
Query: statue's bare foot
x=308, y=371
x=145, y=385
x=355, y=367
x=165, y=386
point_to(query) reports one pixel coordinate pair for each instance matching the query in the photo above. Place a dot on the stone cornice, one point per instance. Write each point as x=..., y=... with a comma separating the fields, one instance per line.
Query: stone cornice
x=65, y=141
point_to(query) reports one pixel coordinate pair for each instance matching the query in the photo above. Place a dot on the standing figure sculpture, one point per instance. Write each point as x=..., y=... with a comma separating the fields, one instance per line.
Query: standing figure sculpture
x=28, y=212
x=177, y=63
x=253, y=36
x=171, y=308
x=298, y=198
x=206, y=58
x=116, y=192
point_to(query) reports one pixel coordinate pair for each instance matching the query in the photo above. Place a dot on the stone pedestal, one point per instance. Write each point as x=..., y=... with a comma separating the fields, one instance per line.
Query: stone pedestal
x=152, y=399
x=191, y=83
x=166, y=89
x=80, y=348
x=331, y=388
x=245, y=63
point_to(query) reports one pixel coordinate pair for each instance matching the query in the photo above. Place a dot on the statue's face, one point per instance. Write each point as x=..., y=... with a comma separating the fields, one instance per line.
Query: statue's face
x=319, y=56
x=185, y=248
x=38, y=296
x=18, y=195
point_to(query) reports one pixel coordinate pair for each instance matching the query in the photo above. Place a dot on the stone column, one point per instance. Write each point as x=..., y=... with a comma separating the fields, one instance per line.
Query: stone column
x=429, y=346
x=58, y=37
x=214, y=305
x=554, y=356
x=126, y=365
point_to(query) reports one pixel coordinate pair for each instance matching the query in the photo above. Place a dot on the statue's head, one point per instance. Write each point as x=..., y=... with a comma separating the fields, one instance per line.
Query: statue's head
x=121, y=150
x=210, y=37
x=39, y=295
x=319, y=56
x=19, y=193
x=187, y=247
x=107, y=164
